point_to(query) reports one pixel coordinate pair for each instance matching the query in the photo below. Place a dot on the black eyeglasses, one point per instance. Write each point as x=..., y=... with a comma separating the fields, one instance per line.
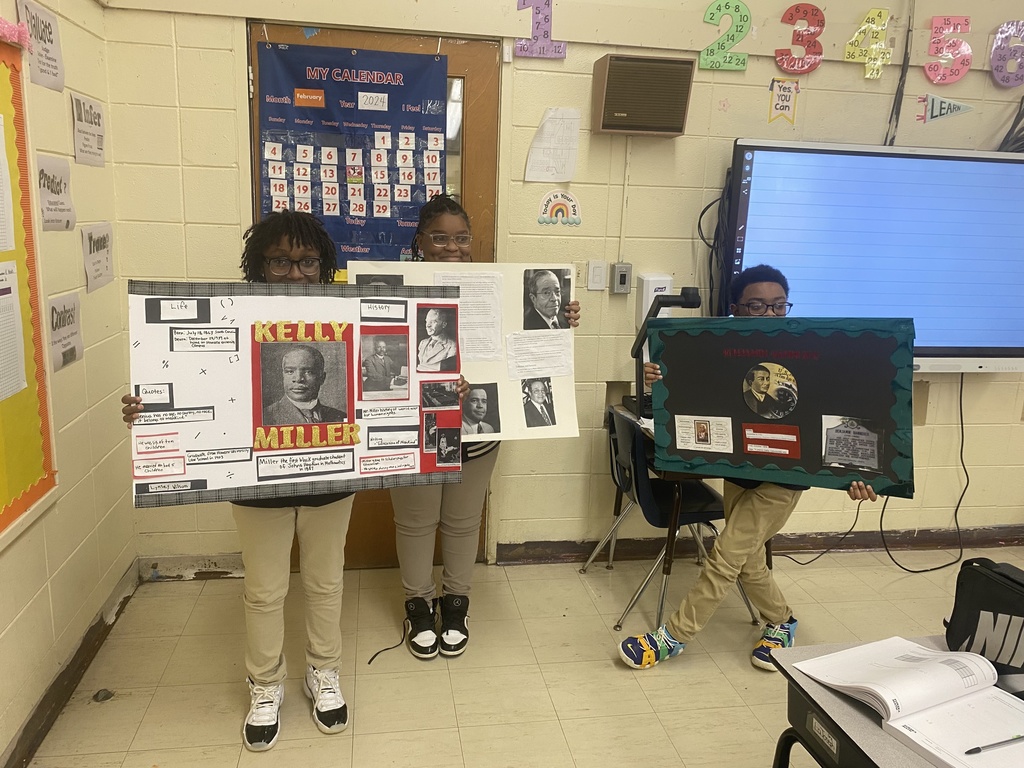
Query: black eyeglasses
x=780, y=308
x=441, y=240
x=282, y=266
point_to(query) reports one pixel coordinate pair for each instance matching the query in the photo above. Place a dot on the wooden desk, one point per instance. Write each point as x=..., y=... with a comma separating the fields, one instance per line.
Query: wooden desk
x=838, y=731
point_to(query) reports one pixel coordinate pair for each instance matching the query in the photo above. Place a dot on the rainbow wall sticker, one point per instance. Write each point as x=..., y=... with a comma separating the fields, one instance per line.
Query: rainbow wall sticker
x=560, y=206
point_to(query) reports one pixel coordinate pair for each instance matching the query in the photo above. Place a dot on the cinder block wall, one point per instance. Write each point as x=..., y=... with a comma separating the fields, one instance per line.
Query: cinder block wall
x=177, y=186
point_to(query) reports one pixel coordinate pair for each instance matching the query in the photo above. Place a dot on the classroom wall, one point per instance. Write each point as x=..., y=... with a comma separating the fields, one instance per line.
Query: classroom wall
x=58, y=573
x=559, y=490
x=173, y=75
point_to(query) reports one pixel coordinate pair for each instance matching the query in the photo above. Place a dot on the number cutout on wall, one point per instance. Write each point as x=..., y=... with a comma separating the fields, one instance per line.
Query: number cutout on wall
x=1008, y=56
x=540, y=45
x=806, y=37
x=955, y=55
x=719, y=54
x=868, y=44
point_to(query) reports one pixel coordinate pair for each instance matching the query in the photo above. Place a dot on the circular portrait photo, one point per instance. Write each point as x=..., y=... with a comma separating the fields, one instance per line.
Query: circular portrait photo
x=769, y=390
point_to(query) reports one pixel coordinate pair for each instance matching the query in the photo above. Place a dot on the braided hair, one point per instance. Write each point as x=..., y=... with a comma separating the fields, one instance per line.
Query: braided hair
x=436, y=206
x=303, y=230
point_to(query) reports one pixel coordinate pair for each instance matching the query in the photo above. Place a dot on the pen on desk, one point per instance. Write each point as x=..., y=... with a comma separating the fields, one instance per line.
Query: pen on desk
x=987, y=747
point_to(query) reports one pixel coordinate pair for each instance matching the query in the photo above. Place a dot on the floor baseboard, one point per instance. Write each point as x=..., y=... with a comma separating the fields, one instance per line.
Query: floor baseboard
x=533, y=552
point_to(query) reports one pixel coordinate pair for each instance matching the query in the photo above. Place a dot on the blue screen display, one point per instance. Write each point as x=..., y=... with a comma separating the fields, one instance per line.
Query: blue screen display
x=883, y=232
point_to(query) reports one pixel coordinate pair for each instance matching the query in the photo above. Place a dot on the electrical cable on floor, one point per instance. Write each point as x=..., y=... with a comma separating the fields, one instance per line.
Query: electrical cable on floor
x=956, y=510
x=831, y=548
x=881, y=517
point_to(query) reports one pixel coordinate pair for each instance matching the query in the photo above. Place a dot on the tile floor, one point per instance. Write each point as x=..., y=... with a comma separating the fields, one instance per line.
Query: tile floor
x=540, y=684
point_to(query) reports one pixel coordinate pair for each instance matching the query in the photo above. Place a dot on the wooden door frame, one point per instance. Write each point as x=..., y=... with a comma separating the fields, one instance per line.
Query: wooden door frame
x=481, y=94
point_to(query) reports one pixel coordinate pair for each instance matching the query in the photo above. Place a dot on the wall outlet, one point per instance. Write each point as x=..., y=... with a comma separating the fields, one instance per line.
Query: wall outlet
x=597, y=275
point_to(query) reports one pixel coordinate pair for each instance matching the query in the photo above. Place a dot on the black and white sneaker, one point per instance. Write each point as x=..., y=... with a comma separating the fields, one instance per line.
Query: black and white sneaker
x=420, y=622
x=263, y=723
x=454, y=624
x=330, y=712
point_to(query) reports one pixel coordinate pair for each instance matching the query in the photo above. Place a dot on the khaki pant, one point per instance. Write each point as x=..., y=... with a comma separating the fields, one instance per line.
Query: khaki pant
x=266, y=536
x=455, y=509
x=752, y=516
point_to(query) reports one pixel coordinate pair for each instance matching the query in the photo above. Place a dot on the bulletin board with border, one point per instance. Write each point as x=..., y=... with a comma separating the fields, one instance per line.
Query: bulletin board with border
x=27, y=471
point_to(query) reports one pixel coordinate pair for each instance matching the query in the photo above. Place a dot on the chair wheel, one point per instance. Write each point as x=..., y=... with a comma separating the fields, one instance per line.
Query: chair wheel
x=618, y=627
x=583, y=570
x=609, y=567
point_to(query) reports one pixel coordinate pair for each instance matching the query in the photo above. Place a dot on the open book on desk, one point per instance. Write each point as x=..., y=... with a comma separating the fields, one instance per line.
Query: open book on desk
x=939, y=703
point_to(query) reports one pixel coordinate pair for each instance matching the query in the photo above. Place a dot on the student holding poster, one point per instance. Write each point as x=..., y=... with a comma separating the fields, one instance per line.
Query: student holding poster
x=754, y=512
x=443, y=235
x=290, y=247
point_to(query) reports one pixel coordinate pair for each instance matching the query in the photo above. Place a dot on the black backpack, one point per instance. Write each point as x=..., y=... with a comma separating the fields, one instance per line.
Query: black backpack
x=988, y=618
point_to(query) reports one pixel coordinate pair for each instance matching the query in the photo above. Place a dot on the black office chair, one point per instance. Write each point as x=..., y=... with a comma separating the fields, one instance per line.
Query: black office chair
x=623, y=487
x=699, y=506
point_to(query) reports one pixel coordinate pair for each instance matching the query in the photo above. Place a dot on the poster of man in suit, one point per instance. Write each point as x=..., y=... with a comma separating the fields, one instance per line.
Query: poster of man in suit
x=301, y=381
x=545, y=295
x=538, y=409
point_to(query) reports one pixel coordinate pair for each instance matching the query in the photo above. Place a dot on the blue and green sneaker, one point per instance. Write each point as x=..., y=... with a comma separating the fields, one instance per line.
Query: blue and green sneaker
x=774, y=636
x=646, y=650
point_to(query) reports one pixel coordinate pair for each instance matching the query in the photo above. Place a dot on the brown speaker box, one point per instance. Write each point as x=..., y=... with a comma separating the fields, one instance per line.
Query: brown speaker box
x=641, y=95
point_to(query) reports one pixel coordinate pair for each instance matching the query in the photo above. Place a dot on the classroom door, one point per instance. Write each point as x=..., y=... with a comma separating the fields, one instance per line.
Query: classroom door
x=471, y=173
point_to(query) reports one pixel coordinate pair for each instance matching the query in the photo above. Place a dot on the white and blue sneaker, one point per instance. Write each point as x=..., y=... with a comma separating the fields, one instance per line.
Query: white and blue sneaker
x=774, y=636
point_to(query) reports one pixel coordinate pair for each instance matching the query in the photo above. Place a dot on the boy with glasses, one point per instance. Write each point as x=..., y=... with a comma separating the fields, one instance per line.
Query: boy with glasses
x=754, y=512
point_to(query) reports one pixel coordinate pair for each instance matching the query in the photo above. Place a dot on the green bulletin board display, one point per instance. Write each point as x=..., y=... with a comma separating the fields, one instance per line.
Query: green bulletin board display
x=814, y=402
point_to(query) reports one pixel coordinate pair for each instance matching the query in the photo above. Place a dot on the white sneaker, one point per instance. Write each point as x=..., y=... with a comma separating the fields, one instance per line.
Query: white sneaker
x=263, y=723
x=330, y=712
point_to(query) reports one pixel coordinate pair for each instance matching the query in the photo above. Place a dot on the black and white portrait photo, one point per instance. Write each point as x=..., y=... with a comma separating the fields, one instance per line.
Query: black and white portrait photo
x=545, y=296
x=429, y=432
x=385, y=366
x=303, y=383
x=538, y=409
x=480, y=410
x=438, y=333
x=449, y=447
x=439, y=394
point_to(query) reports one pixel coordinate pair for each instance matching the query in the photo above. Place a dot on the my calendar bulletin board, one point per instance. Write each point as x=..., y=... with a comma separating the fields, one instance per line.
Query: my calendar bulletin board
x=26, y=460
x=355, y=137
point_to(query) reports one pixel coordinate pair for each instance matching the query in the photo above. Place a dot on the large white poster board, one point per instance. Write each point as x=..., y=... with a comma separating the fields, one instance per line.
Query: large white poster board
x=256, y=391
x=519, y=367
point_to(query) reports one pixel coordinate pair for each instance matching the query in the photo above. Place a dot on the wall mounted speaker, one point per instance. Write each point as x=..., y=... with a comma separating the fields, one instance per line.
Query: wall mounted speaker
x=641, y=95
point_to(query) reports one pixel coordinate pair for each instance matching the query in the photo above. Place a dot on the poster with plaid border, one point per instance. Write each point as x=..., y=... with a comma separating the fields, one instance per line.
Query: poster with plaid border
x=257, y=391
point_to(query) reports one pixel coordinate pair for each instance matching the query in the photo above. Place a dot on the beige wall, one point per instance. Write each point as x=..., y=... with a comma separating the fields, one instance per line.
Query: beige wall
x=58, y=572
x=177, y=185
